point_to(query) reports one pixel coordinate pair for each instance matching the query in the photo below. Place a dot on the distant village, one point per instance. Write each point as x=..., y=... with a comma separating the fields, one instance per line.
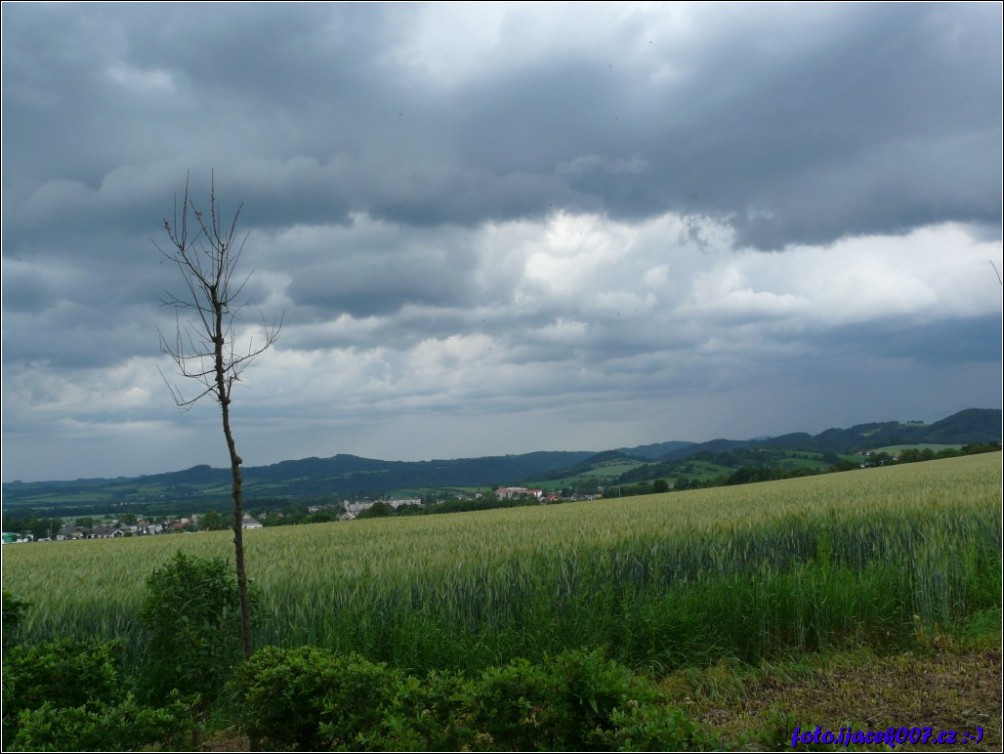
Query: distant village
x=129, y=525
x=111, y=529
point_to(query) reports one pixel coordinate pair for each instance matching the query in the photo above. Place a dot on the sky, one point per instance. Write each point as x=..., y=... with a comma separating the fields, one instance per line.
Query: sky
x=500, y=228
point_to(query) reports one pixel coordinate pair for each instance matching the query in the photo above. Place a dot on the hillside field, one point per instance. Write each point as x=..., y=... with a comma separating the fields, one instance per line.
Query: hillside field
x=870, y=558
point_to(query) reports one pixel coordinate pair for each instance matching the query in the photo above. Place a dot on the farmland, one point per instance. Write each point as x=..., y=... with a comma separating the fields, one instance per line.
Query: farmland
x=875, y=557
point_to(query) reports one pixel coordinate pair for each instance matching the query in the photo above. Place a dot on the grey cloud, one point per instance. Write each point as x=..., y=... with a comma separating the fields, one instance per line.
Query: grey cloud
x=72, y=337
x=797, y=126
x=376, y=286
x=969, y=339
x=762, y=127
x=26, y=288
x=395, y=205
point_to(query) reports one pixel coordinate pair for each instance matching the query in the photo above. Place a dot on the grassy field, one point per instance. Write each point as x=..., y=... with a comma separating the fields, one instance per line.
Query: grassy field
x=601, y=472
x=934, y=447
x=877, y=558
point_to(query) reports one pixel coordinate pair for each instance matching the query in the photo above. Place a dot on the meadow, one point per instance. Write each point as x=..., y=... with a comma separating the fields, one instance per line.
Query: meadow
x=875, y=557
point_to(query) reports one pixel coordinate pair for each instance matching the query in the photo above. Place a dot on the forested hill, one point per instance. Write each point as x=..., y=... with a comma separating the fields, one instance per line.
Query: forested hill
x=340, y=475
x=348, y=475
x=974, y=425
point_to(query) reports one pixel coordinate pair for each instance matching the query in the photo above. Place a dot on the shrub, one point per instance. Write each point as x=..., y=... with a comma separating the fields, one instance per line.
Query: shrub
x=565, y=703
x=192, y=613
x=62, y=673
x=511, y=707
x=102, y=726
x=309, y=699
x=654, y=727
x=69, y=696
x=356, y=702
x=431, y=714
x=13, y=615
x=281, y=695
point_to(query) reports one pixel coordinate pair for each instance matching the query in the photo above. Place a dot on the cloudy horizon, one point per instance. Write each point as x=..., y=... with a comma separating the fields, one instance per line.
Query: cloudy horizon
x=501, y=228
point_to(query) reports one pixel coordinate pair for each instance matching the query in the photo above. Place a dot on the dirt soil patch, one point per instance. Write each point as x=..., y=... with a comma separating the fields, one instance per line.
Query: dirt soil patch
x=948, y=691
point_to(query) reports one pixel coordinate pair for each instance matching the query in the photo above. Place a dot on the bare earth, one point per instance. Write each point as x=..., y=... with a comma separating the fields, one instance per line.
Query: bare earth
x=947, y=690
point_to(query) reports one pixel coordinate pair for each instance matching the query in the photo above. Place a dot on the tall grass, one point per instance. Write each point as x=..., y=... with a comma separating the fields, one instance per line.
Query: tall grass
x=870, y=556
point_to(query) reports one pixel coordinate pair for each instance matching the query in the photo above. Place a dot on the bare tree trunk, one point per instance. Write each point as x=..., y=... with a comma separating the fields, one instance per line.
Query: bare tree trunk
x=223, y=392
x=204, y=350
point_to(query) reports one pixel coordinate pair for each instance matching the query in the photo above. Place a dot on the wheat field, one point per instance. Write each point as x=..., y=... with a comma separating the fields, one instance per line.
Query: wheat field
x=871, y=557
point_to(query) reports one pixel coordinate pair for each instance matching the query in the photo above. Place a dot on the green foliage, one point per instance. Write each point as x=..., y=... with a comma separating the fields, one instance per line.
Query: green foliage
x=371, y=707
x=27, y=523
x=310, y=699
x=14, y=609
x=509, y=705
x=429, y=714
x=63, y=673
x=192, y=614
x=654, y=727
x=280, y=695
x=379, y=509
x=102, y=726
x=71, y=696
x=211, y=521
x=560, y=704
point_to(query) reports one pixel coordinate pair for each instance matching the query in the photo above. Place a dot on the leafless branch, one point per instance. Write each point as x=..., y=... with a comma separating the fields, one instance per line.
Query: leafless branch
x=206, y=251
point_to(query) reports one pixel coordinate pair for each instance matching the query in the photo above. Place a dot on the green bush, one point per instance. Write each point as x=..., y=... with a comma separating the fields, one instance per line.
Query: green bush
x=511, y=706
x=192, y=614
x=281, y=695
x=564, y=703
x=428, y=714
x=13, y=615
x=654, y=727
x=356, y=702
x=71, y=696
x=62, y=673
x=102, y=726
x=309, y=699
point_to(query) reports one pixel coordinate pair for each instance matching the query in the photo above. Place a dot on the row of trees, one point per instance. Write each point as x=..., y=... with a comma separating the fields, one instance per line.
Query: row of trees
x=39, y=527
x=917, y=455
x=639, y=488
x=44, y=527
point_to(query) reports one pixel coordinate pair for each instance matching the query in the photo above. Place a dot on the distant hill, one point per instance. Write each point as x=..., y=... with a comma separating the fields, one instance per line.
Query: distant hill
x=348, y=475
x=656, y=451
x=340, y=475
x=974, y=425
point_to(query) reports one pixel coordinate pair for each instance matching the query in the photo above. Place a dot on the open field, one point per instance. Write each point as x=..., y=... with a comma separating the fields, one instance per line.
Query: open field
x=933, y=447
x=874, y=557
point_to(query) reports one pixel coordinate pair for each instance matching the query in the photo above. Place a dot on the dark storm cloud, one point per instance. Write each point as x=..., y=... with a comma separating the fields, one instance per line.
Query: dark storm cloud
x=967, y=339
x=797, y=124
x=880, y=119
x=379, y=284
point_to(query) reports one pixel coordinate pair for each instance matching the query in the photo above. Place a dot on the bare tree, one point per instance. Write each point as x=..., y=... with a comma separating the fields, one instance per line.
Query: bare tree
x=207, y=251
